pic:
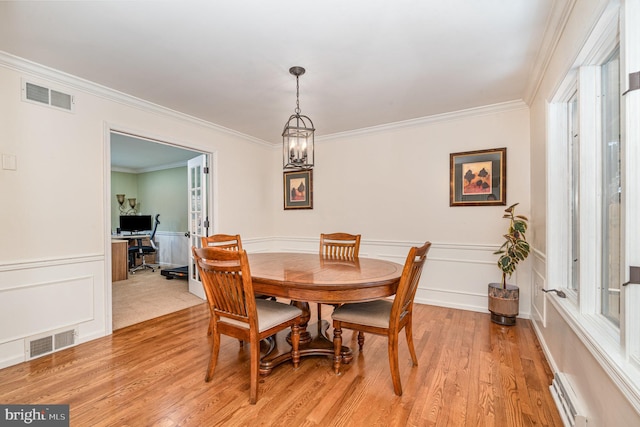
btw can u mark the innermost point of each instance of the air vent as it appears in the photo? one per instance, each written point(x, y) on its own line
point(37, 93)
point(41, 346)
point(61, 100)
point(65, 339)
point(43, 95)
point(48, 343)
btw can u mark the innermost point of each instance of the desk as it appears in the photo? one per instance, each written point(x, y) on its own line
point(305, 278)
point(136, 240)
point(119, 260)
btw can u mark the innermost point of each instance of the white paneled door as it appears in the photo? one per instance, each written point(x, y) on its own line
point(198, 214)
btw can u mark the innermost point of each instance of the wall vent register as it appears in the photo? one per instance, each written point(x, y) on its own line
point(43, 95)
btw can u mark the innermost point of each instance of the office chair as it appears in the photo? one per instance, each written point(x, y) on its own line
point(140, 250)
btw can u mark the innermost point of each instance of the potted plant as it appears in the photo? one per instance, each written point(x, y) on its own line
point(504, 299)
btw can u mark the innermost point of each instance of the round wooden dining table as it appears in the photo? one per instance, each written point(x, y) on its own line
point(304, 278)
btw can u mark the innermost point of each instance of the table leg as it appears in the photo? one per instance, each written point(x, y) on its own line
point(314, 341)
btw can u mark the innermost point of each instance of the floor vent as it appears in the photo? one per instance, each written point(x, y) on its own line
point(567, 402)
point(44, 344)
point(43, 95)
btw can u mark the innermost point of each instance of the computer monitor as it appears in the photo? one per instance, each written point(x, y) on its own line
point(135, 223)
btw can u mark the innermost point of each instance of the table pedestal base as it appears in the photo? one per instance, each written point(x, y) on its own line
point(318, 345)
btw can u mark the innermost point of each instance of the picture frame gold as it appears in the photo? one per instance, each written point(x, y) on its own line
point(478, 178)
point(298, 189)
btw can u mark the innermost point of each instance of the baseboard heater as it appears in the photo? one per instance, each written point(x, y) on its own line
point(567, 402)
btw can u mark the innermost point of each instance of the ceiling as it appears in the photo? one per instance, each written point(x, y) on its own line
point(136, 155)
point(368, 62)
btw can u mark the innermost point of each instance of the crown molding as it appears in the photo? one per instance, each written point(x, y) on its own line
point(22, 65)
point(556, 24)
point(436, 118)
point(150, 169)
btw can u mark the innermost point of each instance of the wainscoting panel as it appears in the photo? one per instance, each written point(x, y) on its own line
point(456, 274)
point(538, 300)
point(40, 297)
point(173, 249)
point(44, 299)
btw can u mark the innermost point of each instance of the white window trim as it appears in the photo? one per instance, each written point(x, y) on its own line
point(617, 351)
point(590, 191)
point(630, 62)
point(591, 330)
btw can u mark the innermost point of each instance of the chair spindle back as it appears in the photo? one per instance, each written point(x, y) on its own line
point(339, 245)
point(226, 279)
point(409, 280)
point(231, 242)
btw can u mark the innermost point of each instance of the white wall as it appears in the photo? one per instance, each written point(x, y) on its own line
point(54, 222)
point(391, 185)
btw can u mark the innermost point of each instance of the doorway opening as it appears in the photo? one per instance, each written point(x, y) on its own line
point(149, 177)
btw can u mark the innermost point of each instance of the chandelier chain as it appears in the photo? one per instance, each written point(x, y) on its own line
point(297, 110)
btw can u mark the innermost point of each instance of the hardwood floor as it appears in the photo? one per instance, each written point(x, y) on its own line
point(471, 372)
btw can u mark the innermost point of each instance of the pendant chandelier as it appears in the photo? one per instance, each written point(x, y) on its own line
point(297, 136)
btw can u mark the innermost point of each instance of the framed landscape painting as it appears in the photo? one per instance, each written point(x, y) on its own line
point(478, 178)
point(298, 189)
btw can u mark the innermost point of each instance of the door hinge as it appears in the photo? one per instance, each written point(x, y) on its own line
point(205, 170)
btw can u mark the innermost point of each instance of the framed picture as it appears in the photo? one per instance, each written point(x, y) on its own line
point(478, 178)
point(298, 189)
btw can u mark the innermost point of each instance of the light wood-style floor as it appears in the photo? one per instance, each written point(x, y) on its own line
point(471, 373)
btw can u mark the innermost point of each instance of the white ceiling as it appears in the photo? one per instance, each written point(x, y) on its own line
point(136, 155)
point(368, 62)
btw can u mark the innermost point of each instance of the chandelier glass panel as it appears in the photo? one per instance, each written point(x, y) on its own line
point(297, 136)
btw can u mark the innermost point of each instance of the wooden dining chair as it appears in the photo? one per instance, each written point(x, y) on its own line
point(231, 242)
point(338, 246)
point(384, 317)
point(226, 278)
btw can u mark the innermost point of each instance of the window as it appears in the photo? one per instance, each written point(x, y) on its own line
point(574, 163)
point(611, 189)
point(592, 186)
point(593, 236)
point(587, 186)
